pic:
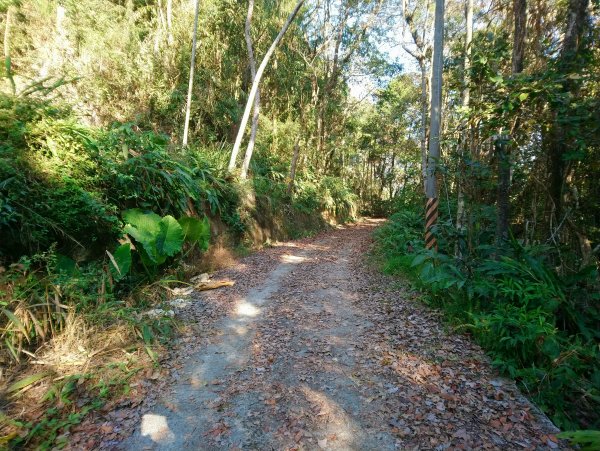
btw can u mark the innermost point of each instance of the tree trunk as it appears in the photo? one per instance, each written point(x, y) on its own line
point(159, 28)
point(424, 111)
point(290, 188)
point(391, 181)
point(464, 145)
point(520, 32)
point(558, 143)
point(255, 115)
point(170, 22)
point(7, 61)
point(431, 211)
point(502, 146)
point(186, 126)
point(253, 91)
point(321, 135)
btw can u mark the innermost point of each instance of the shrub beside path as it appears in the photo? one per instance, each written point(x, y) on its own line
point(314, 349)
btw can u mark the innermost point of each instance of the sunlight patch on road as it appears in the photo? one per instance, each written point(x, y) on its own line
point(241, 330)
point(413, 367)
point(157, 428)
point(334, 418)
point(244, 308)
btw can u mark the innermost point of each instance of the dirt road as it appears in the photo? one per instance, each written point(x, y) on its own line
point(312, 349)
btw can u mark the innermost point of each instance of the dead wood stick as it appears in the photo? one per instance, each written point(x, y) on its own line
point(212, 285)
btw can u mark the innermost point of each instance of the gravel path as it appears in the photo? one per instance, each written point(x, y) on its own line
point(312, 349)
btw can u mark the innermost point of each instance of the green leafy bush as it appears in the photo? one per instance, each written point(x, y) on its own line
point(584, 440)
point(47, 183)
point(65, 183)
point(538, 327)
point(160, 238)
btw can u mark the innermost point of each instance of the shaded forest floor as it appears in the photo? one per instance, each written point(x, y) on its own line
point(312, 348)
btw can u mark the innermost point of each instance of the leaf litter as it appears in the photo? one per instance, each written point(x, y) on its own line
point(332, 355)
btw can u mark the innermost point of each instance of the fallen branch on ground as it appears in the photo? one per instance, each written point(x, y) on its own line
point(203, 286)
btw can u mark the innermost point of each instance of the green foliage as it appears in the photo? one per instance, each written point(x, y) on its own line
point(539, 328)
point(399, 234)
point(37, 295)
point(584, 440)
point(196, 231)
point(121, 261)
point(63, 183)
point(45, 183)
point(161, 238)
point(139, 172)
point(310, 205)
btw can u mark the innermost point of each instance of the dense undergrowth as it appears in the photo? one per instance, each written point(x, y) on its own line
point(540, 328)
point(97, 223)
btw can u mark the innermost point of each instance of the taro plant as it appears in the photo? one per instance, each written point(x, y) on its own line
point(157, 238)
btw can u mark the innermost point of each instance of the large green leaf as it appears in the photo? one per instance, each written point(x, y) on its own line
point(151, 260)
point(196, 231)
point(121, 261)
point(170, 237)
point(143, 227)
point(65, 265)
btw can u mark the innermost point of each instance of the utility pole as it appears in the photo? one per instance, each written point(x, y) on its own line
point(431, 208)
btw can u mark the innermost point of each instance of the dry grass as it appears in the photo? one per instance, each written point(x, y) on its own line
point(90, 355)
point(79, 347)
point(219, 256)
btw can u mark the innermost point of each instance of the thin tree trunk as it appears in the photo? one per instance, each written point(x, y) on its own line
point(320, 133)
point(161, 16)
point(391, 181)
point(504, 148)
point(404, 181)
point(253, 91)
point(424, 111)
point(293, 165)
point(256, 114)
point(170, 22)
point(520, 33)
point(558, 143)
point(464, 145)
point(7, 61)
point(501, 147)
point(188, 107)
point(431, 211)
point(159, 28)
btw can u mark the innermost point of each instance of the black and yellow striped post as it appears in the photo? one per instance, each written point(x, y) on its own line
point(433, 156)
point(431, 216)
